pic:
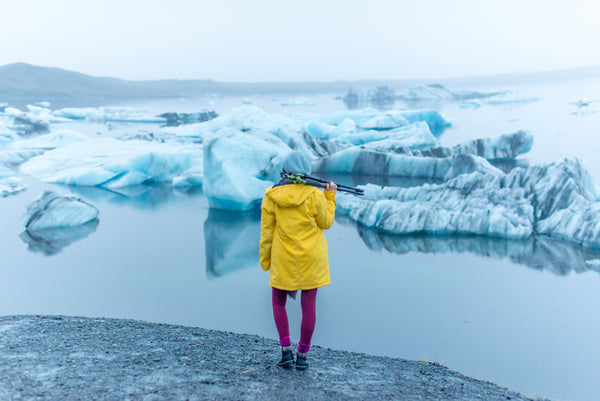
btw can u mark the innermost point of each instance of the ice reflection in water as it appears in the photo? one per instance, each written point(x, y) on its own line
point(538, 252)
point(51, 241)
point(232, 244)
point(231, 241)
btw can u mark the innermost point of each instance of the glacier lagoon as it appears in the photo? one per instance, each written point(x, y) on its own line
point(520, 312)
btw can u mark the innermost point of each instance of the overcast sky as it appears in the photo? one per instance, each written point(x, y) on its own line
point(286, 40)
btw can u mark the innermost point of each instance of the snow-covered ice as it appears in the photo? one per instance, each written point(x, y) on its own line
point(54, 210)
point(112, 163)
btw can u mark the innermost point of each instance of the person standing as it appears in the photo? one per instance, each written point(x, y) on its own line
point(293, 249)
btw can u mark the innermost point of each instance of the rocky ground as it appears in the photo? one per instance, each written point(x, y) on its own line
point(72, 358)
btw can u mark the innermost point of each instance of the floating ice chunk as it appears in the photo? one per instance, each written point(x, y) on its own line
point(54, 210)
point(470, 204)
point(109, 114)
point(239, 166)
point(433, 92)
point(9, 183)
point(318, 129)
point(564, 199)
point(555, 199)
point(175, 119)
point(328, 132)
point(281, 127)
point(384, 122)
point(381, 97)
point(246, 118)
point(28, 124)
point(439, 93)
point(434, 119)
point(410, 136)
point(364, 161)
point(503, 147)
point(358, 116)
point(112, 163)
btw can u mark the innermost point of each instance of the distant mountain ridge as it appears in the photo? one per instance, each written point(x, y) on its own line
point(25, 82)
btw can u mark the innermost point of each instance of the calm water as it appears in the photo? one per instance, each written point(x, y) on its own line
point(523, 314)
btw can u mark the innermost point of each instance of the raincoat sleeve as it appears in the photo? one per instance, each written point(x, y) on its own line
point(267, 225)
point(325, 208)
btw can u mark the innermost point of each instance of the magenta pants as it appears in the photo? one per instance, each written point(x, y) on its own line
point(308, 303)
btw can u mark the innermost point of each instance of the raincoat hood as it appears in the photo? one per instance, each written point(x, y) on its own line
point(290, 195)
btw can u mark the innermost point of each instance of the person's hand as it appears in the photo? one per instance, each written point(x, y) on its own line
point(331, 186)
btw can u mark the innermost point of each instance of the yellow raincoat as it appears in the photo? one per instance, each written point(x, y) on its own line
point(292, 240)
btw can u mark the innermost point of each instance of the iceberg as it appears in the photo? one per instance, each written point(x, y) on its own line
point(36, 120)
point(26, 124)
point(384, 121)
point(54, 210)
point(108, 114)
point(112, 163)
point(439, 93)
point(468, 204)
point(434, 119)
point(412, 135)
point(174, 119)
point(555, 199)
point(503, 147)
point(382, 97)
point(362, 161)
point(239, 166)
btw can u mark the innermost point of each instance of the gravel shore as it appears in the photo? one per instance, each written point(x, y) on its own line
point(73, 358)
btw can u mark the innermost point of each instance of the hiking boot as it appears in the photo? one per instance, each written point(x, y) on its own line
point(301, 363)
point(287, 357)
